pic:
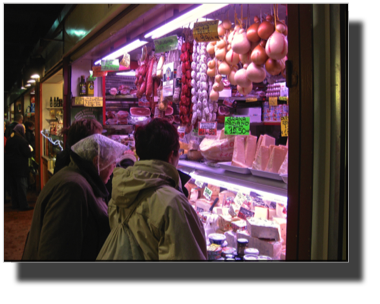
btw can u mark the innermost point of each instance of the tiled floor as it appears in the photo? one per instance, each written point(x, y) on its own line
point(16, 227)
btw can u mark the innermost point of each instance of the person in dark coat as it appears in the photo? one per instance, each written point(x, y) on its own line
point(17, 152)
point(18, 120)
point(70, 220)
point(29, 134)
point(79, 129)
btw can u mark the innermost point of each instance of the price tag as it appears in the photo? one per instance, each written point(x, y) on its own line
point(207, 193)
point(245, 213)
point(168, 79)
point(93, 101)
point(199, 183)
point(110, 65)
point(284, 126)
point(283, 98)
point(239, 199)
point(207, 128)
point(236, 125)
point(165, 44)
point(181, 132)
point(229, 102)
point(79, 101)
point(97, 71)
point(253, 99)
point(273, 101)
point(206, 31)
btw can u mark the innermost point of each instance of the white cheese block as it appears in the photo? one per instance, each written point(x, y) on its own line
point(282, 223)
point(265, 247)
point(238, 157)
point(224, 222)
point(263, 229)
point(261, 213)
point(231, 238)
point(250, 149)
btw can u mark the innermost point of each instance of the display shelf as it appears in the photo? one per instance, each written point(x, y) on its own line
point(249, 181)
point(54, 107)
point(52, 120)
point(271, 123)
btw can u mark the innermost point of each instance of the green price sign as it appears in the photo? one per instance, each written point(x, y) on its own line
point(207, 193)
point(165, 44)
point(110, 65)
point(236, 125)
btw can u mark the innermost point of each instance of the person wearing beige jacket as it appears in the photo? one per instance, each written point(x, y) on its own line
point(150, 217)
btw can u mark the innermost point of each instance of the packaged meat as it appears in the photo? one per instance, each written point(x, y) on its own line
point(112, 121)
point(113, 91)
point(122, 114)
point(136, 111)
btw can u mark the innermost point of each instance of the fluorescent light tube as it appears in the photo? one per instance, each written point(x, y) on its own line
point(185, 19)
point(35, 76)
point(28, 85)
point(129, 73)
point(128, 48)
point(31, 81)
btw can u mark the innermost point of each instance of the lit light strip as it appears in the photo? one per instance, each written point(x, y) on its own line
point(31, 81)
point(234, 187)
point(128, 48)
point(130, 73)
point(185, 19)
point(55, 143)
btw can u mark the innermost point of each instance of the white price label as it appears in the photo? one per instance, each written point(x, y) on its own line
point(207, 193)
point(239, 199)
point(199, 183)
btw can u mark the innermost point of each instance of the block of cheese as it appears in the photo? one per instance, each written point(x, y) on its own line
point(265, 247)
point(250, 149)
point(238, 224)
point(282, 223)
point(262, 158)
point(271, 214)
point(202, 205)
point(276, 158)
point(261, 213)
point(194, 195)
point(231, 238)
point(264, 140)
point(263, 229)
point(226, 197)
point(224, 222)
point(218, 149)
point(284, 166)
point(238, 157)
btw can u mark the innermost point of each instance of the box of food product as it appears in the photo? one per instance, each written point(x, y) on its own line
point(263, 229)
point(266, 247)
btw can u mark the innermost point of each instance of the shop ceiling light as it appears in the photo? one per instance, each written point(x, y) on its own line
point(185, 19)
point(128, 48)
point(22, 88)
point(31, 81)
point(28, 85)
point(129, 73)
point(35, 76)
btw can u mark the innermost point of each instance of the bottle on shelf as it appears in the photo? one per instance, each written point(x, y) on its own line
point(55, 102)
point(90, 87)
point(82, 86)
point(51, 102)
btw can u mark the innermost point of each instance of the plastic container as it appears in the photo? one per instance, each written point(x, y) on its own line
point(241, 246)
point(230, 251)
point(264, 258)
point(250, 257)
point(251, 251)
point(217, 238)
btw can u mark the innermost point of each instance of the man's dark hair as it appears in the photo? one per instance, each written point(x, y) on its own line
point(156, 140)
point(80, 129)
point(19, 117)
point(28, 124)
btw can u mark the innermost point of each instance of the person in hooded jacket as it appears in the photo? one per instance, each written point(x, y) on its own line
point(70, 221)
point(150, 217)
point(17, 152)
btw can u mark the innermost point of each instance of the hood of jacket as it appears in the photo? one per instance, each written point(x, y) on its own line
point(128, 183)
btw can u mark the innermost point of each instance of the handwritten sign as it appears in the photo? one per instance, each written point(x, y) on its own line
point(273, 101)
point(206, 31)
point(236, 125)
point(207, 128)
point(166, 44)
point(93, 101)
point(252, 99)
point(110, 65)
point(97, 71)
point(79, 101)
point(284, 126)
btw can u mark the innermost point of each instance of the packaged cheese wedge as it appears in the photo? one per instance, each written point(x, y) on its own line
point(250, 149)
point(238, 157)
point(284, 166)
point(276, 159)
point(217, 149)
point(262, 158)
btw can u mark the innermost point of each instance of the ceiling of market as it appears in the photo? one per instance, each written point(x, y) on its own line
point(26, 24)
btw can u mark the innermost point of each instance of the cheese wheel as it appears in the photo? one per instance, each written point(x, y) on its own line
point(256, 73)
point(277, 46)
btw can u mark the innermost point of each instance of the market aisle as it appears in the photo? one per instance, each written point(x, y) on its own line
point(16, 227)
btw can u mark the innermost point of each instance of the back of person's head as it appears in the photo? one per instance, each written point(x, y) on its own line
point(80, 129)
point(20, 129)
point(19, 118)
point(156, 140)
point(29, 124)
